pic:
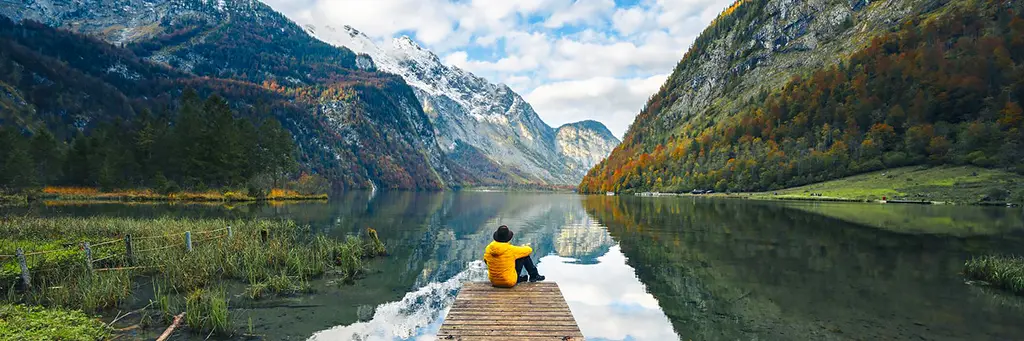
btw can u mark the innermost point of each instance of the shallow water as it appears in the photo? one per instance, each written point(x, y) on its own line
point(650, 268)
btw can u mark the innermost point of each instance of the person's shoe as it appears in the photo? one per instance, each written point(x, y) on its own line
point(522, 279)
point(538, 278)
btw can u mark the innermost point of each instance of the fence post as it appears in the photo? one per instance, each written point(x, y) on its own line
point(264, 235)
point(231, 234)
point(188, 241)
point(128, 249)
point(26, 280)
point(88, 255)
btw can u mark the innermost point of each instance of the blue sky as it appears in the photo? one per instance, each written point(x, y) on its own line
point(571, 59)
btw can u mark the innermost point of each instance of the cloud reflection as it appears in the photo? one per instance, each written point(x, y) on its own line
point(607, 299)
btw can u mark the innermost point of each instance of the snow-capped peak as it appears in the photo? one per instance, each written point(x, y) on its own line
point(466, 109)
point(406, 43)
point(354, 33)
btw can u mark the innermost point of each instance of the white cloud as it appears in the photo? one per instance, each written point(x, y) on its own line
point(571, 59)
point(580, 11)
point(629, 20)
point(612, 101)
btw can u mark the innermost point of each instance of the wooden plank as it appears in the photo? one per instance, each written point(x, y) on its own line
point(521, 325)
point(517, 338)
point(562, 321)
point(530, 314)
point(520, 332)
point(529, 311)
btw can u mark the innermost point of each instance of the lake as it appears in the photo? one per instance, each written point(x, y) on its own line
point(659, 268)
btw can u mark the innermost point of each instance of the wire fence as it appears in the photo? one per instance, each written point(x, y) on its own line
point(129, 253)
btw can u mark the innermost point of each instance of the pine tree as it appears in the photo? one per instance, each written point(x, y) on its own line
point(16, 167)
point(48, 157)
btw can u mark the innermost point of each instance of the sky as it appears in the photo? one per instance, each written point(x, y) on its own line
point(572, 60)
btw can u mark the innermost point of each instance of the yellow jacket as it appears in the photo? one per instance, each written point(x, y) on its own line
point(501, 263)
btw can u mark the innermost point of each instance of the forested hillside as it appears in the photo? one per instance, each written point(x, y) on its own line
point(201, 145)
point(353, 125)
point(945, 86)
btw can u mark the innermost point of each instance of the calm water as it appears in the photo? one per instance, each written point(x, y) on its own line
point(651, 268)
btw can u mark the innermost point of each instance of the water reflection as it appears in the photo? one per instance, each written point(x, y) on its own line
point(603, 292)
point(745, 270)
point(607, 299)
point(649, 268)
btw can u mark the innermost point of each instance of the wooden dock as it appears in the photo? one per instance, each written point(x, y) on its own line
point(530, 311)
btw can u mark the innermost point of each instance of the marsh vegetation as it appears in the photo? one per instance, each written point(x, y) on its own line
point(267, 257)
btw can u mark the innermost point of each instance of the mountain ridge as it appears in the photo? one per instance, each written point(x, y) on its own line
point(781, 93)
point(493, 119)
point(358, 127)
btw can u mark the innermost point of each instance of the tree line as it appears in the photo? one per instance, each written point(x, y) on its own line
point(942, 91)
point(202, 144)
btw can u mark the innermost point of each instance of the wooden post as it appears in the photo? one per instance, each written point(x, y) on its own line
point(188, 241)
point(26, 280)
point(88, 256)
point(128, 249)
point(264, 235)
point(231, 234)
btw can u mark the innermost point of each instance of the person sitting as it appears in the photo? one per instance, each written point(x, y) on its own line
point(505, 262)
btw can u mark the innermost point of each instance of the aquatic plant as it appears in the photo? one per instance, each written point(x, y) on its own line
point(274, 257)
point(19, 322)
point(207, 311)
point(1004, 272)
point(277, 285)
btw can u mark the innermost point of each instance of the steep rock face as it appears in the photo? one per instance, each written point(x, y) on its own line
point(758, 45)
point(360, 127)
point(584, 144)
point(752, 49)
point(470, 114)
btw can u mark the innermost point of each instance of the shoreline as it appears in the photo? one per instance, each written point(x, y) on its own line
point(914, 185)
point(783, 197)
point(148, 195)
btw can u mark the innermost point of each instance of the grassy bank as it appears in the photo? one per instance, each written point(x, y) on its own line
point(1005, 273)
point(267, 257)
point(86, 193)
point(962, 184)
point(957, 184)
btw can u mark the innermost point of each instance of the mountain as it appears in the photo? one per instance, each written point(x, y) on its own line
point(473, 117)
point(780, 93)
point(359, 127)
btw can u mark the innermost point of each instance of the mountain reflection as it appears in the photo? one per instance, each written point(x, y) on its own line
point(732, 269)
point(571, 247)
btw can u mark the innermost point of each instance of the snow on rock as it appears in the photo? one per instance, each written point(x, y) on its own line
point(468, 109)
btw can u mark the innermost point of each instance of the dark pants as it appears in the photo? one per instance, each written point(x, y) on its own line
point(527, 263)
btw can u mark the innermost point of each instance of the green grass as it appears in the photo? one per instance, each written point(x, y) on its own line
point(277, 285)
point(19, 322)
point(60, 277)
point(1002, 272)
point(953, 184)
point(207, 311)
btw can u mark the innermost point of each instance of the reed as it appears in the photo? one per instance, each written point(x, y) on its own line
point(282, 264)
point(207, 311)
point(1003, 272)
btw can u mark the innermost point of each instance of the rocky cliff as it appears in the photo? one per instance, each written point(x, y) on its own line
point(781, 93)
point(360, 127)
point(468, 112)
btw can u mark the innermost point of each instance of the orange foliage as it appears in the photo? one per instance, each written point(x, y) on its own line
point(70, 190)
